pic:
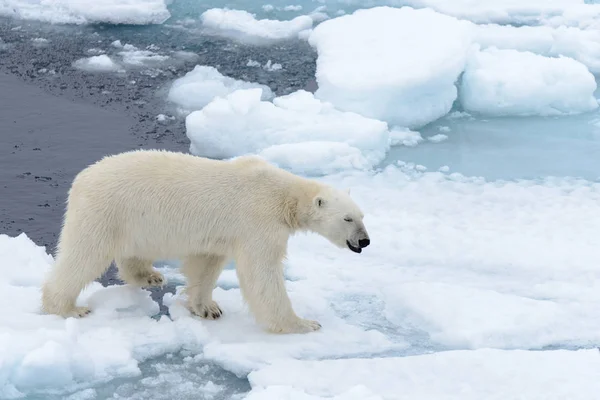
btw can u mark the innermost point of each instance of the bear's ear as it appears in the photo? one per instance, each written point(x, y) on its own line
point(319, 202)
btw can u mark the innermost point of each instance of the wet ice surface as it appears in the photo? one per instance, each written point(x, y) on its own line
point(458, 263)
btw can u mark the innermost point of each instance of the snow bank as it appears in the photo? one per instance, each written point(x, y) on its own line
point(509, 82)
point(202, 84)
point(137, 12)
point(101, 63)
point(301, 127)
point(387, 63)
point(243, 26)
point(465, 375)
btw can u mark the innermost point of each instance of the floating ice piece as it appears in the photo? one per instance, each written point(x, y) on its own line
point(509, 82)
point(101, 63)
point(516, 12)
point(465, 375)
point(136, 12)
point(579, 44)
point(201, 85)
point(135, 57)
point(387, 63)
point(272, 66)
point(440, 137)
point(241, 123)
point(243, 26)
point(405, 137)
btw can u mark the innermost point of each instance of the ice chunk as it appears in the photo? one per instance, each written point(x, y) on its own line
point(316, 158)
point(136, 12)
point(268, 65)
point(243, 26)
point(241, 123)
point(272, 67)
point(133, 56)
point(509, 82)
point(411, 85)
point(405, 137)
point(579, 44)
point(202, 84)
point(101, 63)
point(516, 12)
point(440, 137)
point(465, 375)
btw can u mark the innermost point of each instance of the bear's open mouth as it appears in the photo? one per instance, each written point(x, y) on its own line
point(354, 249)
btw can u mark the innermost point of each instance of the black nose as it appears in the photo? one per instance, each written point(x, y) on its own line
point(364, 242)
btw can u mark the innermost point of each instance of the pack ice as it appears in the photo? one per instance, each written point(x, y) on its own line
point(136, 12)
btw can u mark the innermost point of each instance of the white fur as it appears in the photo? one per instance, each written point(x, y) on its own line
point(141, 206)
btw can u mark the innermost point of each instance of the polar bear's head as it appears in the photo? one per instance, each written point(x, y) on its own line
point(336, 217)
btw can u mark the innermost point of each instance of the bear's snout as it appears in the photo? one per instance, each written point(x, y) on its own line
point(364, 242)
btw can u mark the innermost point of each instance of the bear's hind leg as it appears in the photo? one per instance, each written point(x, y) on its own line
point(202, 272)
point(71, 273)
point(139, 272)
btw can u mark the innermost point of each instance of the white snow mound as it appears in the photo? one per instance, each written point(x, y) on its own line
point(101, 63)
point(136, 12)
point(509, 82)
point(302, 127)
point(243, 26)
point(389, 64)
point(202, 84)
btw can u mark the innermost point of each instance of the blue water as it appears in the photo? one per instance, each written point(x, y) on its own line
point(510, 148)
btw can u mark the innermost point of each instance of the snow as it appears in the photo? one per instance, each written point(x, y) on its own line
point(517, 12)
point(137, 12)
point(509, 82)
point(582, 45)
point(101, 63)
point(455, 263)
point(410, 86)
point(241, 123)
point(243, 26)
point(452, 375)
point(202, 84)
point(316, 158)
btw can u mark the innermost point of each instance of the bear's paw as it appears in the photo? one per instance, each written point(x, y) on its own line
point(210, 310)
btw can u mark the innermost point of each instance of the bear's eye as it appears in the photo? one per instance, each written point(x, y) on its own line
point(348, 219)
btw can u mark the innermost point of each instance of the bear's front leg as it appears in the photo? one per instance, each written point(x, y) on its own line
point(263, 286)
point(201, 272)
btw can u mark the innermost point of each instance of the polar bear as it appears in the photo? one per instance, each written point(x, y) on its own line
point(140, 206)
